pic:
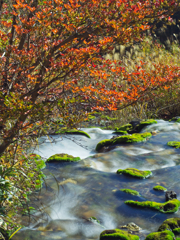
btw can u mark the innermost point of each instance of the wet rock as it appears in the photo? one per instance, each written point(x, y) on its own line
point(170, 195)
point(132, 227)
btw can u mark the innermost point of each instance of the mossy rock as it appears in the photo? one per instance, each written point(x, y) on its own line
point(143, 124)
point(135, 172)
point(159, 188)
point(172, 224)
point(124, 128)
point(121, 132)
point(175, 119)
point(129, 127)
point(165, 235)
point(130, 191)
point(174, 144)
point(117, 234)
point(136, 137)
point(167, 207)
point(72, 131)
point(63, 157)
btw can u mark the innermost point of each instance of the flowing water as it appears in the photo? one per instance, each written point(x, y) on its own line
point(74, 192)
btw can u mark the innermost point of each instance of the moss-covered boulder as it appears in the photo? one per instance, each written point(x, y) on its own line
point(143, 124)
point(167, 207)
point(63, 157)
point(175, 119)
point(165, 235)
point(130, 191)
point(135, 172)
point(172, 224)
point(134, 126)
point(72, 131)
point(159, 188)
point(136, 137)
point(174, 144)
point(124, 128)
point(117, 234)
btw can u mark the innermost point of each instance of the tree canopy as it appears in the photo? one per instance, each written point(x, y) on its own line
point(52, 60)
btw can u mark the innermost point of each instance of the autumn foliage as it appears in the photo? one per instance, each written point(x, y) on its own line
point(52, 61)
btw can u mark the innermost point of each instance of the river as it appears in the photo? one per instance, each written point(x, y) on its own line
point(74, 192)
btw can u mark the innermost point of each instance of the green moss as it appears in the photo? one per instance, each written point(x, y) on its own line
point(165, 235)
point(121, 132)
point(139, 127)
point(63, 157)
point(103, 143)
point(117, 234)
point(134, 172)
point(143, 124)
point(170, 224)
point(176, 230)
point(159, 188)
point(126, 127)
point(136, 137)
point(167, 207)
point(176, 119)
point(130, 191)
point(174, 144)
point(72, 131)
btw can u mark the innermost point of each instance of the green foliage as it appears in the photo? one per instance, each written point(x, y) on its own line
point(135, 172)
